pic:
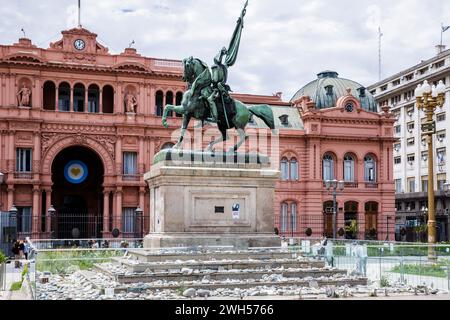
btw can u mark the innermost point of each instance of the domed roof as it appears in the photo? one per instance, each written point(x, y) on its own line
point(328, 88)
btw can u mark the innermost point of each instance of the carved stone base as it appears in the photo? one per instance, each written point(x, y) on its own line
point(203, 204)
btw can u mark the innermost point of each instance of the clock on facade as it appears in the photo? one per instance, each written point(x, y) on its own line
point(79, 44)
point(349, 107)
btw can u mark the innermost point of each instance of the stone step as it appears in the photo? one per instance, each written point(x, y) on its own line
point(245, 285)
point(219, 276)
point(139, 267)
point(152, 256)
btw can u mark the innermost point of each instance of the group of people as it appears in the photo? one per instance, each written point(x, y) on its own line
point(21, 250)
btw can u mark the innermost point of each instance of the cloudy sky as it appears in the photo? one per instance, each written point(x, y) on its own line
point(285, 42)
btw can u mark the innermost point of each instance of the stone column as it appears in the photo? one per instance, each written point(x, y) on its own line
point(119, 157)
point(141, 163)
point(36, 95)
point(10, 196)
point(48, 218)
point(100, 99)
point(36, 216)
point(56, 98)
point(106, 212)
point(86, 102)
point(118, 213)
point(118, 106)
point(71, 100)
point(152, 105)
point(36, 154)
point(11, 151)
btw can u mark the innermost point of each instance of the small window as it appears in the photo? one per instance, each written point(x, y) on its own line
point(398, 129)
point(362, 92)
point(384, 88)
point(410, 127)
point(129, 163)
point(440, 117)
point(424, 156)
point(409, 77)
point(396, 82)
point(284, 119)
point(441, 155)
point(411, 159)
point(329, 90)
point(411, 185)
point(424, 180)
point(441, 135)
point(398, 160)
point(128, 220)
point(23, 160)
point(397, 146)
point(398, 185)
point(411, 142)
point(441, 181)
point(410, 111)
point(439, 64)
point(423, 71)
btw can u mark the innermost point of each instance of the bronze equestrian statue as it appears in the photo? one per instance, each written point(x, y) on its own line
point(208, 96)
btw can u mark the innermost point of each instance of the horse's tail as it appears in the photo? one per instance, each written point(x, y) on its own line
point(265, 113)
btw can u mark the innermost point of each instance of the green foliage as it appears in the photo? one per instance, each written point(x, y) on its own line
point(2, 258)
point(64, 262)
point(16, 286)
point(384, 283)
point(24, 272)
point(352, 228)
point(433, 270)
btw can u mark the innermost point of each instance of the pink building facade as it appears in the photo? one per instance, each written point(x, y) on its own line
point(80, 126)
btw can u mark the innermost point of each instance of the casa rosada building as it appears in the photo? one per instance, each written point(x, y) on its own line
point(80, 126)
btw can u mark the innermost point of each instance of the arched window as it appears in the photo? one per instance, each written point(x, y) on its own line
point(93, 98)
point(293, 217)
point(64, 97)
point(78, 97)
point(168, 145)
point(284, 169)
point(49, 95)
point(328, 167)
point(371, 219)
point(351, 220)
point(169, 100)
point(284, 217)
point(179, 100)
point(349, 168)
point(294, 169)
point(370, 169)
point(159, 103)
point(108, 99)
point(328, 219)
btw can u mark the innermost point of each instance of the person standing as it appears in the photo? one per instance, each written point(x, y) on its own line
point(26, 249)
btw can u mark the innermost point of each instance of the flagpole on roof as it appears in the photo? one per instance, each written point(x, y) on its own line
point(442, 33)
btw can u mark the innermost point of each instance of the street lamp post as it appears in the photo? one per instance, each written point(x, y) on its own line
point(50, 215)
point(428, 99)
point(140, 216)
point(332, 187)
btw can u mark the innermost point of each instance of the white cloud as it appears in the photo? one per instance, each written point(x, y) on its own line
point(285, 42)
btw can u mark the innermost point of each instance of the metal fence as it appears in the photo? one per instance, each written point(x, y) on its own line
point(314, 226)
point(74, 229)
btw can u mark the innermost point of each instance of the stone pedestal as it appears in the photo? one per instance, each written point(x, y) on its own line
point(211, 200)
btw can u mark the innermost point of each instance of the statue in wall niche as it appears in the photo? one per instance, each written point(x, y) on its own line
point(23, 96)
point(208, 96)
point(130, 102)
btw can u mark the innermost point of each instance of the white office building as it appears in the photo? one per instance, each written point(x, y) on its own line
point(410, 152)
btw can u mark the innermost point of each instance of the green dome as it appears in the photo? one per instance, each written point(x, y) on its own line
point(328, 88)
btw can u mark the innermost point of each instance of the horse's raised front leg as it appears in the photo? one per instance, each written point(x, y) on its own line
point(170, 108)
point(186, 120)
point(242, 138)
